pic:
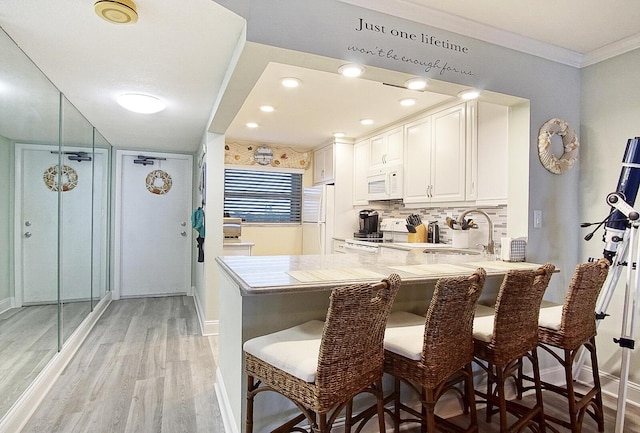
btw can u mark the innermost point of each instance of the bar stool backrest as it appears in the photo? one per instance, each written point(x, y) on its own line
point(448, 335)
point(351, 351)
point(578, 311)
point(515, 329)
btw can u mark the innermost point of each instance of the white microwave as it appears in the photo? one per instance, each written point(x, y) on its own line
point(385, 184)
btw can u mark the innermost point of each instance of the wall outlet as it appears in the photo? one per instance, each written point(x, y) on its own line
point(537, 219)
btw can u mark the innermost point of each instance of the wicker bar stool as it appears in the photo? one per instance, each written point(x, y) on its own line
point(569, 327)
point(433, 355)
point(501, 342)
point(321, 366)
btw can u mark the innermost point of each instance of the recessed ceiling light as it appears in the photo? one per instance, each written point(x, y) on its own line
point(139, 103)
point(366, 122)
point(338, 134)
point(252, 125)
point(416, 83)
point(266, 108)
point(469, 94)
point(407, 102)
point(351, 70)
point(290, 82)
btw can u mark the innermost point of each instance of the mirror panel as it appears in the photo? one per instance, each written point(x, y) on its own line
point(75, 190)
point(29, 121)
point(54, 219)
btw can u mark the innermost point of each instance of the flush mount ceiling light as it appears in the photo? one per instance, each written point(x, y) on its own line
point(338, 134)
point(469, 94)
point(407, 102)
point(251, 125)
point(351, 70)
point(266, 108)
point(139, 103)
point(416, 83)
point(117, 11)
point(366, 122)
point(290, 82)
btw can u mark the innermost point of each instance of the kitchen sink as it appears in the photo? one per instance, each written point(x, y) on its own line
point(452, 251)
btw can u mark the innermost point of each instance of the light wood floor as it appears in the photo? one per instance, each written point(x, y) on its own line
point(144, 368)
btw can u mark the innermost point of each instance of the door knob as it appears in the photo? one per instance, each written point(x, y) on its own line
point(27, 234)
point(27, 223)
point(183, 234)
point(183, 223)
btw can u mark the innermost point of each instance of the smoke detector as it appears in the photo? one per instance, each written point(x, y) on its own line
point(117, 11)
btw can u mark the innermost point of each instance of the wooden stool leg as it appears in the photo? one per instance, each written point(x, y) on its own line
point(538, 384)
point(598, 410)
point(502, 400)
point(490, 385)
point(430, 405)
point(470, 397)
point(348, 416)
point(571, 395)
point(396, 405)
point(250, 395)
point(380, 403)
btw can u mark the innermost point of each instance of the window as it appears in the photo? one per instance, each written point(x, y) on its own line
point(263, 196)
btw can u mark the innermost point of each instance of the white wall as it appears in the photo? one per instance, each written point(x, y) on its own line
point(610, 116)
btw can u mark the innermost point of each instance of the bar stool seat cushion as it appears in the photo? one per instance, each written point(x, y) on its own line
point(294, 350)
point(405, 334)
point(483, 328)
point(550, 317)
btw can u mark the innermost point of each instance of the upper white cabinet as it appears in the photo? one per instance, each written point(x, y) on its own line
point(435, 157)
point(360, 168)
point(323, 165)
point(386, 149)
point(488, 148)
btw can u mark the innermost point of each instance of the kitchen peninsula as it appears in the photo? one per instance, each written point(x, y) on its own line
point(264, 294)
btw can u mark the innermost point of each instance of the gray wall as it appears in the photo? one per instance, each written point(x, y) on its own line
point(610, 116)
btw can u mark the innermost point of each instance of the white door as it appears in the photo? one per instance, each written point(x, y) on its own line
point(37, 215)
point(153, 224)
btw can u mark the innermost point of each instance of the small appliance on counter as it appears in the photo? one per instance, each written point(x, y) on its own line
point(433, 233)
point(368, 226)
point(232, 229)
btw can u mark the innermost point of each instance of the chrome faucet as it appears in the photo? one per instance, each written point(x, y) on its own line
point(490, 245)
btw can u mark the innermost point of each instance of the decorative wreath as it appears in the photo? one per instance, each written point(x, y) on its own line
point(569, 141)
point(159, 182)
point(69, 178)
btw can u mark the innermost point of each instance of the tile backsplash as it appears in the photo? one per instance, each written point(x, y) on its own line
point(498, 216)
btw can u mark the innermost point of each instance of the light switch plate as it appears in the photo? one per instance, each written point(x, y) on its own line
point(537, 219)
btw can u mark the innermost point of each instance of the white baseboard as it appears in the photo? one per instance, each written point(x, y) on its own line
point(6, 304)
point(207, 327)
point(225, 408)
point(29, 401)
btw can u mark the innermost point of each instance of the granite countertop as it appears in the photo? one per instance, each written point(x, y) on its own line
point(258, 275)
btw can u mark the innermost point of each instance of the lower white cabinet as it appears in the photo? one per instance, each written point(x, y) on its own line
point(237, 248)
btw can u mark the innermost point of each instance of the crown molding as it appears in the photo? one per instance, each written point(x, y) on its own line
point(608, 51)
point(472, 29)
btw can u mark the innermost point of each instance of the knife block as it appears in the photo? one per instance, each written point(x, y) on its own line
point(420, 236)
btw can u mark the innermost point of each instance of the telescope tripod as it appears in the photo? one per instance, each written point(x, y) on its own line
point(624, 258)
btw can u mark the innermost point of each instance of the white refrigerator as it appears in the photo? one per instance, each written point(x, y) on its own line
point(318, 219)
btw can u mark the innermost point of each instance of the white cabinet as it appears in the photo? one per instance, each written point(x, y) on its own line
point(435, 157)
point(360, 167)
point(323, 165)
point(237, 248)
point(492, 154)
point(386, 149)
point(339, 246)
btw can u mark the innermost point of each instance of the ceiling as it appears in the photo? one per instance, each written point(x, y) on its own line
point(180, 52)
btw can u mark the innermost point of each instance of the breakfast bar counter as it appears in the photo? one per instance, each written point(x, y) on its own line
point(264, 294)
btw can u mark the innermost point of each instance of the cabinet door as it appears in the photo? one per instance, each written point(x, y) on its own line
point(417, 165)
point(493, 150)
point(360, 166)
point(394, 148)
point(323, 165)
point(448, 155)
point(377, 151)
